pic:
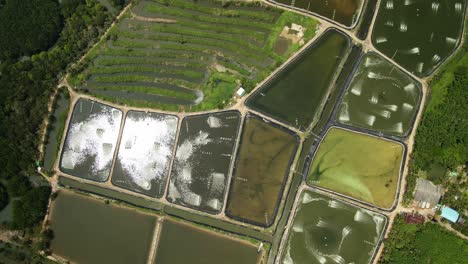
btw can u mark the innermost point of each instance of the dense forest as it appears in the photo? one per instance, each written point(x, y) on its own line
point(59, 34)
point(428, 243)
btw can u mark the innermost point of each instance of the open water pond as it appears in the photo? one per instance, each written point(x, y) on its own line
point(91, 140)
point(361, 166)
point(345, 12)
point(325, 230)
point(264, 158)
point(380, 97)
point(203, 159)
point(419, 35)
point(181, 243)
point(145, 152)
point(298, 92)
point(89, 231)
point(56, 127)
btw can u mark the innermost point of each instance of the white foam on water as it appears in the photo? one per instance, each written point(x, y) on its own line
point(214, 203)
point(389, 5)
point(217, 182)
point(379, 224)
point(385, 114)
point(335, 204)
point(298, 227)
point(398, 127)
point(381, 40)
point(192, 198)
point(409, 88)
point(408, 2)
point(389, 23)
point(322, 223)
point(373, 75)
point(407, 107)
point(370, 120)
point(374, 99)
point(344, 114)
point(356, 90)
point(214, 122)
point(307, 198)
point(411, 51)
point(419, 67)
point(337, 259)
point(403, 27)
point(450, 40)
point(436, 58)
point(435, 7)
point(361, 216)
point(96, 136)
point(370, 62)
point(287, 258)
point(152, 141)
point(173, 192)
point(392, 108)
point(458, 7)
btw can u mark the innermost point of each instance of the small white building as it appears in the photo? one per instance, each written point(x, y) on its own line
point(240, 92)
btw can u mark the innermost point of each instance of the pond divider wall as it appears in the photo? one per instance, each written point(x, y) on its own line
point(284, 181)
point(370, 7)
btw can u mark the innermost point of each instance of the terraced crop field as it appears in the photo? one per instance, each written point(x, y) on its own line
point(185, 55)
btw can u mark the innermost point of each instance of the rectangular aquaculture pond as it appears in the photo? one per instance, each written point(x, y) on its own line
point(325, 230)
point(380, 97)
point(297, 93)
point(202, 161)
point(87, 230)
point(91, 140)
point(145, 152)
point(262, 165)
point(361, 166)
point(419, 35)
point(181, 243)
point(56, 127)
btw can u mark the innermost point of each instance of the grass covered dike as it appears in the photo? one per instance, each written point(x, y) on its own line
point(185, 55)
point(361, 166)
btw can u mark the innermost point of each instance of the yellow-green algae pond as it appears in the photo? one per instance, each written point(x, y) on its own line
point(325, 230)
point(181, 243)
point(364, 167)
point(87, 230)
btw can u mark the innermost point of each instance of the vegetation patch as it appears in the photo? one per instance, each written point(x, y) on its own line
point(206, 49)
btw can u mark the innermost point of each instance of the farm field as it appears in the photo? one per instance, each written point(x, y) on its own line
point(203, 158)
point(87, 230)
point(361, 166)
point(200, 246)
point(262, 165)
point(145, 152)
point(380, 97)
point(328, 230)
point(91, 140)
point(342, 12)
point(418, 35)
point(189, 55)
point(56, 128)
point(297, 93)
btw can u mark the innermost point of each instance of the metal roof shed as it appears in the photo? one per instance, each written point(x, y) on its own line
point(450, 214)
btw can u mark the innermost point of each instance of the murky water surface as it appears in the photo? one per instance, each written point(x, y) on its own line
point(203, 158)
point(181, 243)
point(325, 230)
point(88, 231)
point(297, 93)
point(380, 97)
point(261, 168)
point(418, 34)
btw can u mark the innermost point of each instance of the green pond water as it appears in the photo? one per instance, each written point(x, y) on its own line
point(380, 97)
point(261, 169)
point(181, 243)
point(203, 159)
point(89, 231)
point(419, 35)
point(345, 12)
point(326, 230)
point(91, 140)
point(297, 93)
point(55, 129)
point(145, 152)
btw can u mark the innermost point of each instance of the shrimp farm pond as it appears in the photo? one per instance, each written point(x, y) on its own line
point(342, 12)
point(203, 158)
point(89, 231)
point(326, 230)
point(145, 152)
point(182, 243)
point(297, 93)
point(419, 35)
point(261, 170)
point(91, 140)
point(380, 97)
point(357, 165)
